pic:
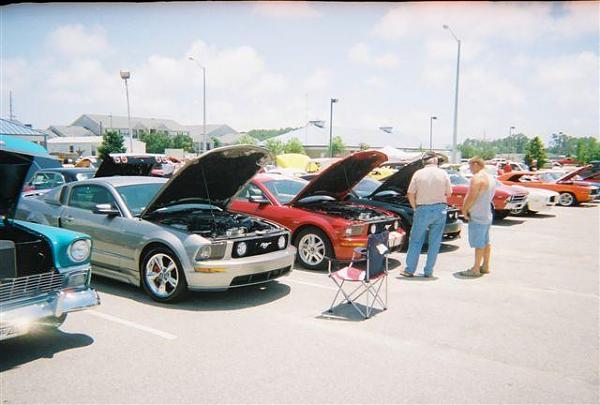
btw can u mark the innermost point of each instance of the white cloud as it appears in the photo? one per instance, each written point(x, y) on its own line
point(361, 53)
point(376, 81)
point(318, 80)
point(286, 9)
point(76, 40)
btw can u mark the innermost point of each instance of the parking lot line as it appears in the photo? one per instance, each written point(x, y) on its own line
point(134, 325)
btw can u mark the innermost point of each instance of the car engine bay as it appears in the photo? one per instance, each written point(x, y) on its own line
point(344, 210)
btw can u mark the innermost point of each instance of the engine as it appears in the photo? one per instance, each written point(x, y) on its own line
point(346, 211)
point(216, 224)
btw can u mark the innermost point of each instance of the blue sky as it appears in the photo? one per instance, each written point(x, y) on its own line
point(270, 65)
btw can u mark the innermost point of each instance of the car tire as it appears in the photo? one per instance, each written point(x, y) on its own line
point(566, 199)
point(313, 246)
point(162, 275)
point(499, 215)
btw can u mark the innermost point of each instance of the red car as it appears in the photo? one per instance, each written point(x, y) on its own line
point(505, 198)
point(322, 223)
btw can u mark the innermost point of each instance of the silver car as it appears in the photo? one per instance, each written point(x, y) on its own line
point(171, 235)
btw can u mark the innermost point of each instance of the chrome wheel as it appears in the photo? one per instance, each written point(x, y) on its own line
point(162, 275)
point(311, 249)
point(565, 199)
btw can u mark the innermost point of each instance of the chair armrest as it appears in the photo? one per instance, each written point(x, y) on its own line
point(332, 260)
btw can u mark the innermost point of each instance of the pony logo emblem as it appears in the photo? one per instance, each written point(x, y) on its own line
point(265, 245)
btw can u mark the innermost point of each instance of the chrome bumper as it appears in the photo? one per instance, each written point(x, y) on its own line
point(515, 205)
point(17, 319)
point(218, 275)
point(452, 230)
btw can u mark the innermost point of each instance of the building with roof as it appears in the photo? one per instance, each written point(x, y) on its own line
point(315, 138)
point(23, 131)
point(68, 131)
point(98, 124)
point(77, 146)
point(224, 133)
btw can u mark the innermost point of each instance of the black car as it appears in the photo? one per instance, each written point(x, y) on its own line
point(391, 195)
point(47, 179)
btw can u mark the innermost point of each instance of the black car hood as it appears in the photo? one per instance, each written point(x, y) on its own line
point(215, 177)
point(400, 180)
point(338, 179)
point(13, 172)
point(121, 164)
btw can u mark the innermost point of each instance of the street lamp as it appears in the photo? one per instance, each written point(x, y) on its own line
point(333, 100)
point(455, 135)
point(431, 131)
point(203, 101)
point(512, 141)
point(126, 75)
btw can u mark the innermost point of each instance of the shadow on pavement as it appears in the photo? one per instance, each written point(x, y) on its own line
point(461, 277)
point(508, 222)
point(235, 298)
point(347, 313)
point(417, 277)
point(37, 345)
point(539, 216)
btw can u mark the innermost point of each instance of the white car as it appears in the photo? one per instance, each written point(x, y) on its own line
point(537, 200)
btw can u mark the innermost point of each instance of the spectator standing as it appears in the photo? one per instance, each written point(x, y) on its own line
point(477, 210)
point(507, 168)
point(427, 193)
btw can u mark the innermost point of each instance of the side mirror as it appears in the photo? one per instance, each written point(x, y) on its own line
point(106, 209)
point(258, 199)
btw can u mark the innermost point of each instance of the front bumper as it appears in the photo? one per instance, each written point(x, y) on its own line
point(220, 275)
point(515, 205)
point(17, 318)
point(452, 230)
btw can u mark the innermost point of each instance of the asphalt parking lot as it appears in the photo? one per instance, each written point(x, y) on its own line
point(528, 332)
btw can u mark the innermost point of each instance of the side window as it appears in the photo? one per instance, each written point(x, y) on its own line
point(87, 197)
point(249, 190)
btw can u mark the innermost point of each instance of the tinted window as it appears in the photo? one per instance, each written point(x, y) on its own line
point(366, 187)
point(138, 196)
point(47, 180)
point(250, 190)
point(285, 190)
point(87, 197)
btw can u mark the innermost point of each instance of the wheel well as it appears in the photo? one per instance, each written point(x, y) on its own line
point(151, 246)
point(303, 227)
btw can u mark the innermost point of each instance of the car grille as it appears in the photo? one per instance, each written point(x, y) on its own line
point(452, 215)
point(30, 286)
point(594, 191)
point(259, 277)
point(518, 198)
point(553, 199)
point(381, 226)
point(259, 246)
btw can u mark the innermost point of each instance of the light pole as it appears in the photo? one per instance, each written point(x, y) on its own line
point(431, 131)
point(333, 100)
point(203, 101)
point(512, 141)
point(126, 75)
point(455, 134)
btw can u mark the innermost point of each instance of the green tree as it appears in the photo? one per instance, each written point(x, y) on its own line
point(535, 151)
point(262, 134)
point(364, 146)
point(156, 142)
point(582, 151)
point(246, 140)
point(337, 146)
point(216, 141)
point(112, 142)
point(293, 145)
point(182, 141)
point(275, 146)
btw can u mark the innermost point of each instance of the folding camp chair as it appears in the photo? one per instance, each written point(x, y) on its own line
point(370, 281)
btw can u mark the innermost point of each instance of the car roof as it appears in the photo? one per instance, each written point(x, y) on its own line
point(68, 169)
point(118, 181)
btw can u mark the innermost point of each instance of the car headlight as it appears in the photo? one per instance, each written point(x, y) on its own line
point(79, 250)
point(203, 253)
point(396, 225)
point(281, 242)
point(241, 249)
point(213, 251)
point(354, 230)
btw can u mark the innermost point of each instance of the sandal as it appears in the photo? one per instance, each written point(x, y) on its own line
point(482, 270)
point(469, 273)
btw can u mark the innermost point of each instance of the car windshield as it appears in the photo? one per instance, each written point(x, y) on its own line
point(457, 179)
point(548, 177)
point(285, 190)
point(366, 187)
point(138, 196)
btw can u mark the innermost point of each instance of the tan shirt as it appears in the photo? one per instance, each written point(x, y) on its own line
point(431, 185)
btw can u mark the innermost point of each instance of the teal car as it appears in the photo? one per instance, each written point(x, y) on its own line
point(44, 271)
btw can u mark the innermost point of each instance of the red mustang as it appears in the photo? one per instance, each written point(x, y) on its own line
point(322, 223)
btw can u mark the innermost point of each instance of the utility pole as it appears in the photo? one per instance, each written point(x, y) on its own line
point(10, 106)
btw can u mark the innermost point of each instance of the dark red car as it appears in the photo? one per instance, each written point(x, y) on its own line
point(323, 224)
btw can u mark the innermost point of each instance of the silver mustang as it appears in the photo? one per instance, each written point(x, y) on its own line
point(172, 235)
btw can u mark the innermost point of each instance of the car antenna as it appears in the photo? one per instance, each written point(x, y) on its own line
point(212, 214)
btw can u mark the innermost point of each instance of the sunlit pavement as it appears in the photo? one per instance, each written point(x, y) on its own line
point(527, 332)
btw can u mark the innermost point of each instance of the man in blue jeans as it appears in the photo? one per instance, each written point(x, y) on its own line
point(427, 193)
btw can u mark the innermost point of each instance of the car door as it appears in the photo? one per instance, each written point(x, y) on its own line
point(106, 230)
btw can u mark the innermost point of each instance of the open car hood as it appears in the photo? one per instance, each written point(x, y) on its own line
point(400, 180)
point(338, 179)
point(569, 176)
point(125, 164)
point(214, 177)
point(13, 172)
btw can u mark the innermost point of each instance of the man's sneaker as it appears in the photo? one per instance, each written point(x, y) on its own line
point(407, 274)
